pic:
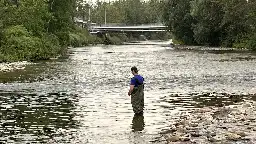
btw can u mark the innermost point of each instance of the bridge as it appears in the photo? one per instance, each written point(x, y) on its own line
point(119, 27)
point(124, 28)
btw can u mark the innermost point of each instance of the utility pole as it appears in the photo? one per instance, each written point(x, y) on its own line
point(89, 14)
point(105, 13)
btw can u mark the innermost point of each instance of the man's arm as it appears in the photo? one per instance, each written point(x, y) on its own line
point(131, 89)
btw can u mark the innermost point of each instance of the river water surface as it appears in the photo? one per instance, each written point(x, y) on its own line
point(82, 98)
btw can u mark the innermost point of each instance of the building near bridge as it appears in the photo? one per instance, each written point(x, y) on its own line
point(81, 23)
point(84, 24)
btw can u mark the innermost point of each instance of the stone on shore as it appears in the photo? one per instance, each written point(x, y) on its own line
point(217, 124)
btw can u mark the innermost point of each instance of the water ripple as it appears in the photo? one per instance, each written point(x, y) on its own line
point(83, 98)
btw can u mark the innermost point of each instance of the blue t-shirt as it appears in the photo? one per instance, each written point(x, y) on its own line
point(135, 83)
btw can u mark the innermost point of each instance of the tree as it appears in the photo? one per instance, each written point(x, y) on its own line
point(234, 23)
point(251, 22)
point(208, 16)
point(179, 20)
point(128, 12)
point(63, 13)
point(212, 22)
point(153, 10)
point(62, 22)
point(134, 12)
point(82, 9)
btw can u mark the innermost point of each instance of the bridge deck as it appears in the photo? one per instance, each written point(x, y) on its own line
point(140, 28)
point(129, 27)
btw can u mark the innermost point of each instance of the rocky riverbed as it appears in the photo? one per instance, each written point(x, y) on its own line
point(228, 124)
point(6, 67)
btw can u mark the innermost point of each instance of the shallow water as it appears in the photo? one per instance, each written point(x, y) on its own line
point(83, 98)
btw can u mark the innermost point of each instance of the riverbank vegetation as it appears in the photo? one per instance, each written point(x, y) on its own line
point(227, 23)
point(37, 30)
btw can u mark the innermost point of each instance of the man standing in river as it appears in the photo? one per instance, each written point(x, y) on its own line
point(137, 91)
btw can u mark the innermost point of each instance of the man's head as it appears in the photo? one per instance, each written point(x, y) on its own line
point(134, 70)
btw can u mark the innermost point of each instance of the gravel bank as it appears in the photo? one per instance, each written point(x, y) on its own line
point(6, 67)
point(228, 124)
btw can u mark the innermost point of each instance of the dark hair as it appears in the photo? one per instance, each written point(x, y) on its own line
point(134, 69)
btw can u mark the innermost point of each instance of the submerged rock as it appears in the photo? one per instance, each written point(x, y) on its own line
point(195, 134)
point(212, 139)
point(242, 134)
point(173, 139)
point(233, 136)
point(184, 139)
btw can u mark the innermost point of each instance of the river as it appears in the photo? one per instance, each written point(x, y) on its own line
point(82, 98)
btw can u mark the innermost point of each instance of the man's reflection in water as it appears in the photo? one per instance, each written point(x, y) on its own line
point(138, 123)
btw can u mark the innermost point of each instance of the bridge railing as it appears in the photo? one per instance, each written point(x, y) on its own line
point(119, 27)
point(123, 24)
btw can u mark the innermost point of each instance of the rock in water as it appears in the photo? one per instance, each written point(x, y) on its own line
point(184, 139)
point(174, 139)
point(242, 134)
point(233, 136)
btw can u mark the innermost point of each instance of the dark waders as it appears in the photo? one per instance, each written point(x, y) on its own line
point(137, 99)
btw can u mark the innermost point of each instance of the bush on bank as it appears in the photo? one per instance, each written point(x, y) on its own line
point(111, 39)
point(79, 37)
point(39, 30)
point(19, 44)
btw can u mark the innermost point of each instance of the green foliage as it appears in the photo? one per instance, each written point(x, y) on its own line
point(51, 47)
point(113, 40)
point(208, 16)
point(136, 14)
point(95, 40)
point(251, 43)
point(63, 13)
point(79, 37)
point(215, 22)
point(122, 36)
point(127, 12)
point(19, 44)
point(233, 24)
point(179, 20)
point(15, 31)
point(75, 40)
point(38, 29)
point(159, 36)
point(32, 14)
